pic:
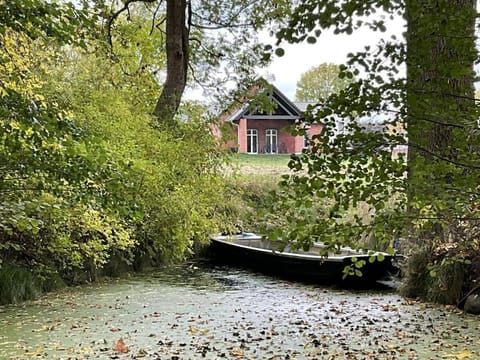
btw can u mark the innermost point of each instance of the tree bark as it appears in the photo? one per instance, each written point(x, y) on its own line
point(440, 57)
point(177, 48)
point(441, 115)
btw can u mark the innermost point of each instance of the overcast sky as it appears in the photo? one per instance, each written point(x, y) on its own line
point(330, 48)
point(285, 71)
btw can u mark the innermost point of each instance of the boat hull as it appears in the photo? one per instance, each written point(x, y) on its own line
point(299, 265)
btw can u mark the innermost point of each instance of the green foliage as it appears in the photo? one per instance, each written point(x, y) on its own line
point(319, 82)
point(433, 197)
point(56, 183)
point(173, 185)
point(17, 284)
point(86, 182)
point(63, 21)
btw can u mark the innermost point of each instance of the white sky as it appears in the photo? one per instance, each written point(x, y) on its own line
point(330, 48)
point(285, 71)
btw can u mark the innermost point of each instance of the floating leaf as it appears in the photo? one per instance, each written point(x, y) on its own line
point(463, 355)
point(120, 347)
point(236, 352)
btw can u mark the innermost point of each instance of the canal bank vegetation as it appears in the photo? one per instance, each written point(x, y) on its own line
point(89, 185)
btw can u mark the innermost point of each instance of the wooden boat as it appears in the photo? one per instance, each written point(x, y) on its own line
point(275, 257)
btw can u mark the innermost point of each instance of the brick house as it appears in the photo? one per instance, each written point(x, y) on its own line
point(247, 129)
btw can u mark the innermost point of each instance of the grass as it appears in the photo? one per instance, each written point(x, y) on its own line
point(251, 179)
point(280, 160)
point(17, 284)
point(261, 165)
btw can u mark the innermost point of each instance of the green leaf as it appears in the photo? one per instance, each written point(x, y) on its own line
point(279, 52)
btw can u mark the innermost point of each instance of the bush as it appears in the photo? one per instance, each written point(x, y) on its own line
point(17, 284)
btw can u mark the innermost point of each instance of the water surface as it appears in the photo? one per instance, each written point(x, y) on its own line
point(196, 311)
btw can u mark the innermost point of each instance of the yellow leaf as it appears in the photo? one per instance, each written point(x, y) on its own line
point(194, 331)
point(39, 351)
point(236, 352)
point(463, 355)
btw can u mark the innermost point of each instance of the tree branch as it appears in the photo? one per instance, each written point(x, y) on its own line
point(450, 161)
point(222, 26)
point(216, 25)
point(437, 122)
point(154, 17)
point(116, 14)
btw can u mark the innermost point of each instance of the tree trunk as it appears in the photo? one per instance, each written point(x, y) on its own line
point(440, 57)
point(441, 116)
point(177, 48)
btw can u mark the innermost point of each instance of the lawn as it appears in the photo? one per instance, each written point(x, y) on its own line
point(261, 164)
point(280, 160)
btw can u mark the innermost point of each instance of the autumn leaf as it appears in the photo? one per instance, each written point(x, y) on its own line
point(389, 307)
point(39, 351)
point(194, 331)
point(120, 347)
point(236, 352)
point(463, 355)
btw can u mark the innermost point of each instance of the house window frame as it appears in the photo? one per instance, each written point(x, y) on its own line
point(306, 140)
point(270, 134)
point(251, 144)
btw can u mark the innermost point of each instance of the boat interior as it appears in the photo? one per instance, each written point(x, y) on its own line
point(256, 241)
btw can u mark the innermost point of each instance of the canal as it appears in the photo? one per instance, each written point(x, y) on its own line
point(197, 311)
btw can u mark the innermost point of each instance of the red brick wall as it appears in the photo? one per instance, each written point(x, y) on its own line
point(315, 129)
point(242, 136)
point(235, 136)
point(285, 141)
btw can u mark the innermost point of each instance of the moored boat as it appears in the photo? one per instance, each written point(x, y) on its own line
point(277, 257)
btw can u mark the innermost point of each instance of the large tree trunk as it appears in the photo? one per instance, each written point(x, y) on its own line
point(441, 114)
point(177, 47)
point(440, 57)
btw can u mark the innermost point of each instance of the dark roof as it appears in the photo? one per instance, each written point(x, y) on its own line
point(283, 107)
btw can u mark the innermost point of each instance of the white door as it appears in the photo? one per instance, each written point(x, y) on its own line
point(252, 141)
point(271, 141)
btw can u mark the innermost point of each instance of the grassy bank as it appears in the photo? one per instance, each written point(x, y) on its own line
point(253, 180)
point(260, 166)
point(260, 160)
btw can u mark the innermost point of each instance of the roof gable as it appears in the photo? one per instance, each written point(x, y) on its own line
point(282, 107)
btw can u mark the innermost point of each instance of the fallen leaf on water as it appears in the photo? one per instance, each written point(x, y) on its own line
point(141, 353)
point(194, 331)
point(389, 307)
point(85, 350)
point(236, 352)
point(463, 355)
point(120, 346)
point(39, 351)
point(47, 328)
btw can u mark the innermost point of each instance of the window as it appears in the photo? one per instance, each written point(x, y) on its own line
point(271, 141)
point(306, 140)
point(252, 141)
